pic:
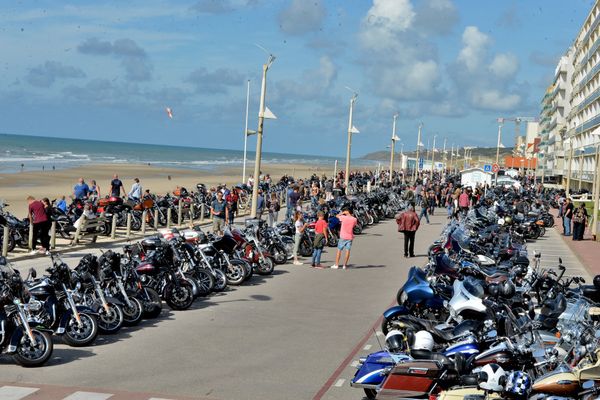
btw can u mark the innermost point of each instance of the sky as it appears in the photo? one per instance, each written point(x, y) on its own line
point(107, 70)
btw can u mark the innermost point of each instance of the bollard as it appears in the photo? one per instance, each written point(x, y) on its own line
point(179, 212)
point(113, 231)
point(5, 234)
point(30, 243)
point(202, 210)
point(128, 232)
point(144, 216)
point(191, 215)
point(53, 236)
point(168, 218)
point(156, 219)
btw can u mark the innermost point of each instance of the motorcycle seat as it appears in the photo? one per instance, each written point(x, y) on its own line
point(458, 364)
point(493, 272)
point(591, 292)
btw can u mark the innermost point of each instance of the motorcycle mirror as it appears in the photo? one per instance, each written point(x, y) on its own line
point(582, 280)
point(587, 385)
point(562, 267)
point(33, 273)
point(560, 260)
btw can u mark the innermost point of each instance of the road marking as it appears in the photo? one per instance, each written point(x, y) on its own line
point(88, 396)
point(339, 383)
point(379, 333)
point(15, 393)
point(354, 364)
point(367, 347)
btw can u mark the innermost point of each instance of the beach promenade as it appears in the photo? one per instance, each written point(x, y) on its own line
point(292, 335)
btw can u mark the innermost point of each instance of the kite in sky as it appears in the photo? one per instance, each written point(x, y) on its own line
point(169, 112)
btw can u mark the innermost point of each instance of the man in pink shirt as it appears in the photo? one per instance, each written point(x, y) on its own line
point(346, 236)
point(464, 202)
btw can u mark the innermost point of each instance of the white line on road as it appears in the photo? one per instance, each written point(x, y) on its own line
point(15, 392)
point(379, 333)
point(339, 382)
point(354, 364)
point(88, 396)
point(367, 347)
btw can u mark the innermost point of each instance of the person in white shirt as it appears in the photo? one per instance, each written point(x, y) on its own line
point(136, 190)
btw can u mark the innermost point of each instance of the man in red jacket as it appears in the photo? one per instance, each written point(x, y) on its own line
point(408, 223)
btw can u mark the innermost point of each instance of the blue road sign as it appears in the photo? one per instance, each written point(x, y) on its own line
point(487, 167)
point(420, 163)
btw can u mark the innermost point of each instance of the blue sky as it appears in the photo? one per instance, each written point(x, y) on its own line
point(106, 70)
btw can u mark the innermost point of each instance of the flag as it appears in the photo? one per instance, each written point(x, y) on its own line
point(502, 146)
point(354, 130)
point(268, 114)
point(169, 112)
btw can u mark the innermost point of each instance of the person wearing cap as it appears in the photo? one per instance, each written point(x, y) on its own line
point(348, 222)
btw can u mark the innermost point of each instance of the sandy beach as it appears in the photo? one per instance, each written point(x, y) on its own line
point(15, 187)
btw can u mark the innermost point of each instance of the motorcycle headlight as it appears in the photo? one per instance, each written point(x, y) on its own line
point(403, 297)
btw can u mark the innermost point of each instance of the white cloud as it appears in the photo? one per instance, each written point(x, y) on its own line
point(312, 84)
point(302, 16)
point(384, 21)
point(495, 100)
point(475, 46)
point(436, 17)
point(505, 65)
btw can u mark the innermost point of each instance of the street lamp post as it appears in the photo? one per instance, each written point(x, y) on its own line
point(417, 156)
point(394, 138)
point(433, 156)
point(349, 147)
point(246, 131)
point(259, 135)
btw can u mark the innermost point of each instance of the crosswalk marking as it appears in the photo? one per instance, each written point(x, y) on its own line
point(88, 396)
point(15, 392)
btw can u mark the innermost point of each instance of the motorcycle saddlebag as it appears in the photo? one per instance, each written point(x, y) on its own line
point(103, 202)
point(410, 379)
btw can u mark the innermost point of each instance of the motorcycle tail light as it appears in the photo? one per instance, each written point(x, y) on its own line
point(433, 397)
point(558, 335)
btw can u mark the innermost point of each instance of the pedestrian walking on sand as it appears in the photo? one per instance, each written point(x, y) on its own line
point(116, 187)
point(220, 213)
point(346, 237)
point(299, 227)
point(135, 193)
point(321, 233)
point(38, 217)
point(408, 224)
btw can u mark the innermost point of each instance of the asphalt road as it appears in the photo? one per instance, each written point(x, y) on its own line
point(280, 337)
point(292, 335)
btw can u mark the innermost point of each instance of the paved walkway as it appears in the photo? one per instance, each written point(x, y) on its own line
point(587, 250)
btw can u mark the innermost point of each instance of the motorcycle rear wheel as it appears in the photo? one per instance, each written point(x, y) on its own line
point(11, 242)
point(280, 256)
point(205, 282)
point(306, 248)
point(220, 280)
point(236, 272)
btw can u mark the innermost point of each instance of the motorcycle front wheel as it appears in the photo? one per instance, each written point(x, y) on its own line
point(110, 321)
point(151, 302)
point(265, 266)
point(132, 315)
point(77, 336)
point(34, 355)
point(220, 280)
point(236, 273)
point(279, 254)
point(205, 282)
point(179, 296)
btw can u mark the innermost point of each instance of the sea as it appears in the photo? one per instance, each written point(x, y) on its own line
point(34, 153)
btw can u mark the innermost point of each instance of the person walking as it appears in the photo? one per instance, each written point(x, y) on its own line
point(135, 193)
point(408, 224)
point(348, 222)
point(293, 199)
point(39, 219)
point(321, 234)
point(424, 209)
point(299, 227)
point(463, 202)
point(274, 208)
point(116, 187)
point(567, 215)
point(219, 211)
point(580, 217)
point(260, 204)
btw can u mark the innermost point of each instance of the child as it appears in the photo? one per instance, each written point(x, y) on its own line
point(320, 239)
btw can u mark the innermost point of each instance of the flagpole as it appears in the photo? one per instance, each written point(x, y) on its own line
point(246, 132)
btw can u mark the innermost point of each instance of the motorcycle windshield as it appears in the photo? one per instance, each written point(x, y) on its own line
point(473, 287)
point(461, 239)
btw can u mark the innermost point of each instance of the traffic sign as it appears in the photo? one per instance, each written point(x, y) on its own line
point(487, 167)
point(420, 163)
point(495, 168)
